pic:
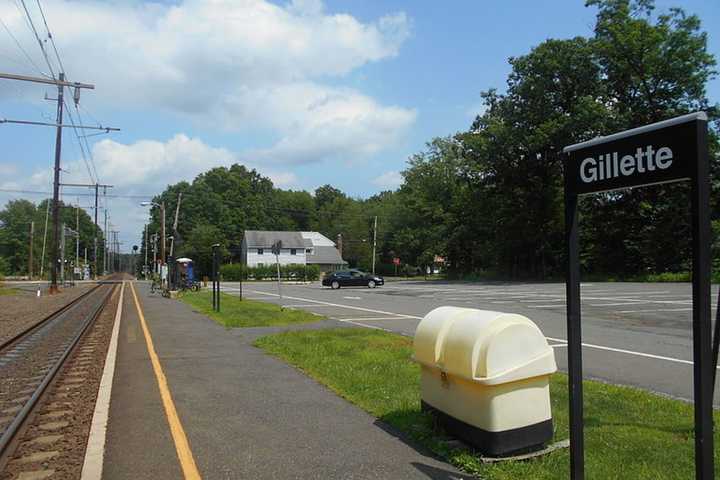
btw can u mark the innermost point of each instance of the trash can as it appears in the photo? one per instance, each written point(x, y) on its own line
point(485, 375)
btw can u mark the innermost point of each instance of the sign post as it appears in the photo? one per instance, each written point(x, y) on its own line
point(669, 151)
point(276, 247)
point(216, 276)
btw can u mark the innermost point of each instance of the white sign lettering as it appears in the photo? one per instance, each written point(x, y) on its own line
point(611, 165)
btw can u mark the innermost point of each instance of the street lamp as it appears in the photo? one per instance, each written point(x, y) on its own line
point(161, 206)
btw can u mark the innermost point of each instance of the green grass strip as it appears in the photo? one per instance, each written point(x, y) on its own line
point(246, 313)
point(629, 433)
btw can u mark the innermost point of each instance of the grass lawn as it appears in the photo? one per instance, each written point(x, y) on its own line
point(246, 313)
point(8, 291)
point(629, 433)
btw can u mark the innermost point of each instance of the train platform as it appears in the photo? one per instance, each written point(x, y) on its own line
point(192, 399)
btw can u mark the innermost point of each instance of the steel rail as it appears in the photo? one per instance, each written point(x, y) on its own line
point(11, 431)
point(42, 322)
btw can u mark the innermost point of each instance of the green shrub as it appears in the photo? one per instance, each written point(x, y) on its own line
point(234, 272)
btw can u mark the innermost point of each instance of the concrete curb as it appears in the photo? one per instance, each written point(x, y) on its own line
point(95, 452)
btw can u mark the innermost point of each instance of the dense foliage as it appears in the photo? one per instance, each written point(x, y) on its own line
point(15, 221)
point(489, 201)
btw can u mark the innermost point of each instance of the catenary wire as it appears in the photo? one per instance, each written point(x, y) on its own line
point(19, 45)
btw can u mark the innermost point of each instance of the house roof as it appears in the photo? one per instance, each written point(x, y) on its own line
point(325, 256)
point(318, 239)
point(266, 239)
point(323, 249)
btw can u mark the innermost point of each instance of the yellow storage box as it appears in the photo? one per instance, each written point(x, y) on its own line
point(486, 377)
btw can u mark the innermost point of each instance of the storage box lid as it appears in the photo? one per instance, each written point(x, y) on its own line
point(483, 346)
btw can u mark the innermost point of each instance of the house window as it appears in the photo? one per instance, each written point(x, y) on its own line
point(260, 251)
point(308, 251)
point(293, 251)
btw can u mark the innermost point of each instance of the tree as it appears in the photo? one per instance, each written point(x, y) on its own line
point(15, 234)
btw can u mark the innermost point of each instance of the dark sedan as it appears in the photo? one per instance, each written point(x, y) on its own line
point(352, 278)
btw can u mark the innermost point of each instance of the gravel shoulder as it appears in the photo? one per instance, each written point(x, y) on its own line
point(18, 312)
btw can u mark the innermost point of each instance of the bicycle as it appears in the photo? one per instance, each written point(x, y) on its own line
point(155, 285)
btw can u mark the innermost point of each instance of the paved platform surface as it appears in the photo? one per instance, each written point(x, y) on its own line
point(246, 414)
point(637, 334)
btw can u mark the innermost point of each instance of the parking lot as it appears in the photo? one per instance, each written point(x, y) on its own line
point(633, 333)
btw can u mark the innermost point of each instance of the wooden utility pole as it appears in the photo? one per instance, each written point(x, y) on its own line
point(56, 191)
point(145, 265)
point(374, 244)
point(96, 186)
point(105, 245)
point(77, 238)
point(30, 263)
point(163, 259)
point(61, 83)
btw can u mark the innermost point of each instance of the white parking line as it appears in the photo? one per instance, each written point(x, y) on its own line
point(543, 300)
point(639, 302)
point(351, 307)
point(657, 310)
point(560, 340)
point(363, 319)
point(352, 298)
point(299, 305)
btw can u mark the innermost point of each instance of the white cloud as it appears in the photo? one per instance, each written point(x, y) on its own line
point(148, 165)
point(476, 109)
point(234, 65)
point(7, 170)
point(389, 180)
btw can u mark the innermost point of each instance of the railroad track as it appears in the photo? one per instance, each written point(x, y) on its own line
point(5, 345)
point(30, 362)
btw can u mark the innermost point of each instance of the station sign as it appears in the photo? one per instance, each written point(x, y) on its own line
point(669, 151)
point(659, 153)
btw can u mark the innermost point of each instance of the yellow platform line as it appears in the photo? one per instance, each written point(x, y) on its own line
point(187, 462)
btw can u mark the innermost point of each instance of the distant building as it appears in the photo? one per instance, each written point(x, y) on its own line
point(303, 248)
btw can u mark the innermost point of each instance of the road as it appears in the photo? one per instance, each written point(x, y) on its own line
point(635, 334)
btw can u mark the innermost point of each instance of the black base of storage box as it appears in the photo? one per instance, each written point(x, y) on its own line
point(495, 444)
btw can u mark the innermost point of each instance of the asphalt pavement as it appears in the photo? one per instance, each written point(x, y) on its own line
point(246, 414)
point(637, 334)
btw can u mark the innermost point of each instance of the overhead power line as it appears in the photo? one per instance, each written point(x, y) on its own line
point(19, 45)
point(52, 40)
point(37, 37)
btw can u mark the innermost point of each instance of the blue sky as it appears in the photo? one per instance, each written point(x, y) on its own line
point(307, 92)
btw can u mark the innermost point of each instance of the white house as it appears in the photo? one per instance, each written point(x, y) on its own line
point(303, 248)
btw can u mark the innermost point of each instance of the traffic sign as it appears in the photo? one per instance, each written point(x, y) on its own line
point(396, 261)
point(669, 151)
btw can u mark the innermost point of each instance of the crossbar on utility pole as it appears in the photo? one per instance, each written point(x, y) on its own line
point(46, 124)
point(48, 81)
point(61, 83)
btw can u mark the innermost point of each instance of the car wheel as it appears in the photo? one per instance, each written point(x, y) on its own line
point(371, 284)
point(335, 285)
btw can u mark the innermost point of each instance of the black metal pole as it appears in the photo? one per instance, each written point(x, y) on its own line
point(212, 277)
point(217, 276)
point(574, 338)
point(716, 343)
point(702, 341)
